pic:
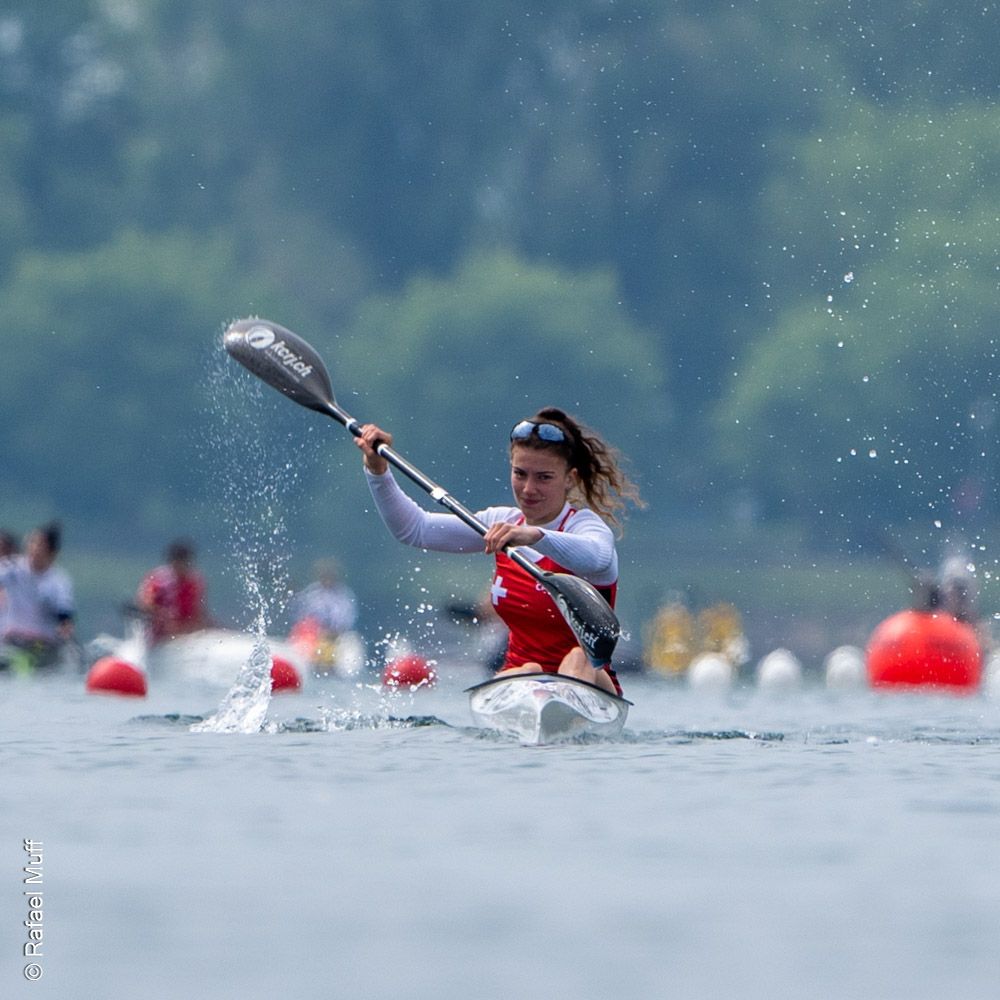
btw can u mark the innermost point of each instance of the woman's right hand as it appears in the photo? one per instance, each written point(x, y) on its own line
point(371, 437)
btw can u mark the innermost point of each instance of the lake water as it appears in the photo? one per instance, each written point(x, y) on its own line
point(752, 845)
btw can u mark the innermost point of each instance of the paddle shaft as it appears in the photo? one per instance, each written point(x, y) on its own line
point(436, 492)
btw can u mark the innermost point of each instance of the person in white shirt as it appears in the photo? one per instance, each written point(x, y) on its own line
point(9, 547)
point(40, 608)
point(327, 601)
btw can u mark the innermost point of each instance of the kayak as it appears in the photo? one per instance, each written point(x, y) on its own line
point(546, 708)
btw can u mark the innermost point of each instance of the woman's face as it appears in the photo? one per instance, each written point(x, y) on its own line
point(541, 481)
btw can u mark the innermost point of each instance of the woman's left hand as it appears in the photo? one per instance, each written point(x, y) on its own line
point(499, 536)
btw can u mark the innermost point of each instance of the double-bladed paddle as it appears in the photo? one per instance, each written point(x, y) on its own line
point(287, 363)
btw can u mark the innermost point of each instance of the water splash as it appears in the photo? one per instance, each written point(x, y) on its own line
point(244, 708)
point(255, 467)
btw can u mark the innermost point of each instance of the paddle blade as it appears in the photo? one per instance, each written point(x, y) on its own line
point(282, 360)
point(587, 614)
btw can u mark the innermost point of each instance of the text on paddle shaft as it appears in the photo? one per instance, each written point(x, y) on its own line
point(34, 895)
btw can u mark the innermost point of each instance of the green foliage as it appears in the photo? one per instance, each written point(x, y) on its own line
point(875, 388)
point(104, 353)
point(14, 206)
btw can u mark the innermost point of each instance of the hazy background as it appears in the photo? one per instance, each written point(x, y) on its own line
point(755, 244)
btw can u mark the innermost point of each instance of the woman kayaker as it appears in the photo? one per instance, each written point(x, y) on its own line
point(569, 491)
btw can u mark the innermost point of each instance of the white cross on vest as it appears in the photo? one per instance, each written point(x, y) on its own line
point(498, 590)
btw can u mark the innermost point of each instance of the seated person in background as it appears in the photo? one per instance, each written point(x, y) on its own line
point(9, 547)
point(172, 596)
point(957, 589)
point(327, 601)
point(322, 613)
point(38, 602)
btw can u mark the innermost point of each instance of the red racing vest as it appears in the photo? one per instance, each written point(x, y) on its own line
point(175, 600)
point(538, 632)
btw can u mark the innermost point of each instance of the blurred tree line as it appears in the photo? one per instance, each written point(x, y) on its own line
point(754, 243)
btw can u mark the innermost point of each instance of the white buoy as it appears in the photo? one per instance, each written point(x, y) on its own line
point(710, 671)
point(349, 654)
point(779, 670)
point(844, 668)
point(991, 676)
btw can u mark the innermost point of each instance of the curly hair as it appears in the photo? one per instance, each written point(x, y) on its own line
point(604, 486)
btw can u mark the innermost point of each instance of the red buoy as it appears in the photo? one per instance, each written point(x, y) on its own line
point(284, 676)
point(924, 649)
point(410, 671)
point(109, 675)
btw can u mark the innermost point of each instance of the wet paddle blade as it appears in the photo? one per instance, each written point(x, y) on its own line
point(281, 359)
point(587, 614)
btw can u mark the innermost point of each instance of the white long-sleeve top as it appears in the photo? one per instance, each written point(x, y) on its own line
point(584, 547)
point(35, 602)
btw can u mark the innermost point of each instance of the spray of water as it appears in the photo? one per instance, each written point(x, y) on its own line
point(253, 467)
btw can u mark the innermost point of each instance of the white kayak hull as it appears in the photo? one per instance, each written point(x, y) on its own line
point(541, 708)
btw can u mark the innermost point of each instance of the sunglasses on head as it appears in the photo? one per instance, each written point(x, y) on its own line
point(547, 432)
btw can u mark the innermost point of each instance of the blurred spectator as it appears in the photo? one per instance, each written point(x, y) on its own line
point(670, 637)
point(957, 588)
point(323, 617)
point(720, 630)
point(38, 595)
point(172, 596)
point(327, 602)
point(9, 547)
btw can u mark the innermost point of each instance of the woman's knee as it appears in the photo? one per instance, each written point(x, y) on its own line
point(575, 664)
point(524, 668)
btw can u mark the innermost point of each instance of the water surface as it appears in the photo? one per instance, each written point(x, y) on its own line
point(749, 844)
